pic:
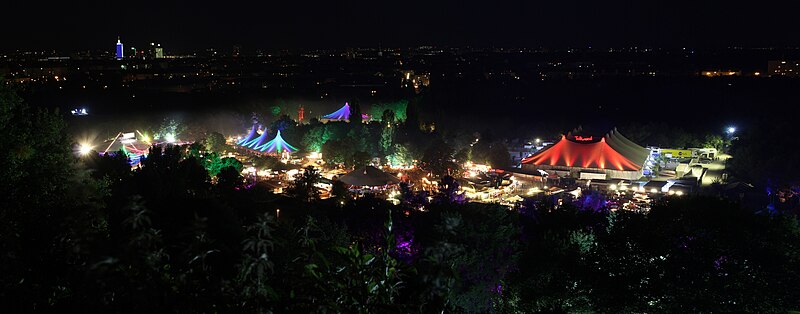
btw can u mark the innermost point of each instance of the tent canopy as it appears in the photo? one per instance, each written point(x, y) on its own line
point(276, 145)
point(368, 176)
point(257, 141)
point(341, 114)
point(612, 151)
point(249, 136)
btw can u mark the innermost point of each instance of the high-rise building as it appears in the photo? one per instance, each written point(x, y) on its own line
point(120, 54)
point(159, 51)
point(155, 51)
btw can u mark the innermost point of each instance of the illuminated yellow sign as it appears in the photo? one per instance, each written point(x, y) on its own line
point(676, 153)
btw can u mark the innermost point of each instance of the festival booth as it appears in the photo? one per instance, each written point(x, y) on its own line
point(369, 179)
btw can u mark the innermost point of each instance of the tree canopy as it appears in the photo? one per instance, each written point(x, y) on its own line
point(182, 233)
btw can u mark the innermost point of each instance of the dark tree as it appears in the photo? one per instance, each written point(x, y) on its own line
point(358, 160)
point(708, 255)
point(229, 179)
point(388, 117)
point(355, 113)
point(282, 124)
point(412, 116)
point(303, 187)
point(114, 167)
point(438, 159)
point(215, 142)
point(339, 190)
point(49, 210)
point(481, 152)
point(760, 155)
point(337, 152)
point(499, 156)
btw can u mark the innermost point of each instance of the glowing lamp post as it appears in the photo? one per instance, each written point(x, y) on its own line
point(84, 149)
point(730, 131)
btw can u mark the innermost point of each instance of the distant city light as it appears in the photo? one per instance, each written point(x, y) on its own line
point(79, 112)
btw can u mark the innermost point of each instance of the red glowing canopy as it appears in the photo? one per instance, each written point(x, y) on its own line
point(586, 154)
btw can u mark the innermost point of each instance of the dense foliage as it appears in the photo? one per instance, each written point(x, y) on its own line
point(87, 234)
point(764, 154)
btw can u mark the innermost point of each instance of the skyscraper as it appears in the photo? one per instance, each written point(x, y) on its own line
point(155, 52)
point(120, 53)
point(159, 51)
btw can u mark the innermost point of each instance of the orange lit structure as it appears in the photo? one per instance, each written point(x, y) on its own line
point(301, 114)
point(613, 155)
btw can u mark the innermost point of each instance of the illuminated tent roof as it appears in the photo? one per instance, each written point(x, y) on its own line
point(277, 144)
point(341, 114)
point(613, 151)
point(627, 147)
point(249, 136)
point(368, 176)
point(256, 142)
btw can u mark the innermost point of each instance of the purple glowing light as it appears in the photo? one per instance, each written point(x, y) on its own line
point(256, 142)
point(341, 114)
point(249, 136)
point(276, 145)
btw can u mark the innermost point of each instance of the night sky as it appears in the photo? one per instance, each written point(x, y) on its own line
point(81, 25)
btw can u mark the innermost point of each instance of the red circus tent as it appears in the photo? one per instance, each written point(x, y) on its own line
point(612, 152)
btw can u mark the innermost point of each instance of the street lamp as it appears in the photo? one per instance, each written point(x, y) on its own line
point(84, 149)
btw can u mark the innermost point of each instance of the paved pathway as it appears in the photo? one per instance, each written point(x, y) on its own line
point(715, 169)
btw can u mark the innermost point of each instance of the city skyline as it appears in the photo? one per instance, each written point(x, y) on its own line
point(89, 26)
